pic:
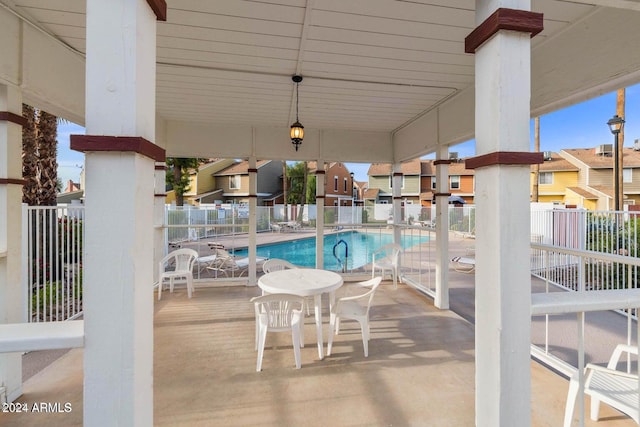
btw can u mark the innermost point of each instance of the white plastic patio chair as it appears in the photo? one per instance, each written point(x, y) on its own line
point(181, 261)
point(356, 308)
point(387, 258)
point(278, 313)
point(617, 389)
point(277, 264)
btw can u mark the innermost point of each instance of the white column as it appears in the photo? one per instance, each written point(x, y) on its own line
point(159, 232)
point(320, 198)
point(503, 279)
point(253, 220)
point(441, 299)
point(396, 192)
point(118, 275)
point(11, 295)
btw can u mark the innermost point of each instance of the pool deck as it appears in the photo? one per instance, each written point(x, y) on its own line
point(420, 370)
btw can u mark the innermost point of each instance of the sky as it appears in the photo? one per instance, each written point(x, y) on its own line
point(582, 125)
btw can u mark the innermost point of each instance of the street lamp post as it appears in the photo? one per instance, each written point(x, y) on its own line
point(615, 126)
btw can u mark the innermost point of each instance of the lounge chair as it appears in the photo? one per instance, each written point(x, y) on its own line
point(276, 227)
point(617, 389)
point(463, 264)
point(230, 265)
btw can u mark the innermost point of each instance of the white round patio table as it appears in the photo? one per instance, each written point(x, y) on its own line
point(304, 282)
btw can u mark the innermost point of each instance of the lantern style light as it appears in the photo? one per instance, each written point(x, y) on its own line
point(297, 130)
point(615, 126)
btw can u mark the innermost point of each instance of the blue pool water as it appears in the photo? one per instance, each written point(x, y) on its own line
point(303, 252)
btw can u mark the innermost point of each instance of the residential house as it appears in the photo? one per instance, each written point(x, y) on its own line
point(461, 181)
point(202, 184)
point(558, 183)
point(234, 181)
point(359, 190)
point(596, 173)
point(338, 183)
point(381, 178)
point(73, 192)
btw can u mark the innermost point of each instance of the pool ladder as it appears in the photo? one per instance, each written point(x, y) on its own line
point(346, 254)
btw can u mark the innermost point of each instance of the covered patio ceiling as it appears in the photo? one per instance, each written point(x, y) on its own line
point(383, 80)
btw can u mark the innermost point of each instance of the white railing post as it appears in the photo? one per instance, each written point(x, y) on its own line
point(25, 263)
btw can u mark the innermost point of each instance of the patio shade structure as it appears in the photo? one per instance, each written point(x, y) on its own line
point(384, 81)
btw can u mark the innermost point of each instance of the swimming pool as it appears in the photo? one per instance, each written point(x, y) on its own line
point(303, 252)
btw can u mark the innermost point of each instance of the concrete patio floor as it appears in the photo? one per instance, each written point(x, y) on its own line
point(420, 370)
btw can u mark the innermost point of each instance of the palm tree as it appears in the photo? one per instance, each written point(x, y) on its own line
point(47, 158)
point(29, 156)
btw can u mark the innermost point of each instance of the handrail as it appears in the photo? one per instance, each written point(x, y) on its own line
point(623, 259)
point(346, 254)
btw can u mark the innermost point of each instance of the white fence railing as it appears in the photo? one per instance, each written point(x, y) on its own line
point(578, 270)
point(53, 240)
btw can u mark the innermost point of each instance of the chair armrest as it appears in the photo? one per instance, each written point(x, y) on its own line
point(356, 297)
point(609, 371)
point(621, 348)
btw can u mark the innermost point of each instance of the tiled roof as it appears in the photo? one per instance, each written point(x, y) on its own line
point(603, 189)
point(630, 157)
point(407, 168)
point(557, 163)
point(582, 192)
point(241, 168)
point(371, 193)
point(455, 168)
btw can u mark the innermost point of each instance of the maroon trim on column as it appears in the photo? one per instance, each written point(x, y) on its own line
point(161, 167)
point(8, 116)
point(320, 172)
point(252, 196)
point(504, 19)
point(137, 144)
point(159, 7)
point(504, 158)
point(6, 181)
point(318, 196)
point(160, 195)
point(442, 162)
point(397, 197)
point(398, 174)
point(253, 170)
point(441, 194)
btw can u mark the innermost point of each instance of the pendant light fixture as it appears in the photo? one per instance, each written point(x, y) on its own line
point(297, 130)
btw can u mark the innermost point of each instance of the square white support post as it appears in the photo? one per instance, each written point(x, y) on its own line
point(320, 199)
point(11, 295)
point(253, 220)
point(442, 161)
point(396, 192)
point(503, 279)
point(159, 232)
point(120, 211)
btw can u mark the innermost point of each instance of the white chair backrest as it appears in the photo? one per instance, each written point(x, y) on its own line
point(372, 285)
point(390, 251)
point(280, 309)
point(276, 264)
point(183, 259)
